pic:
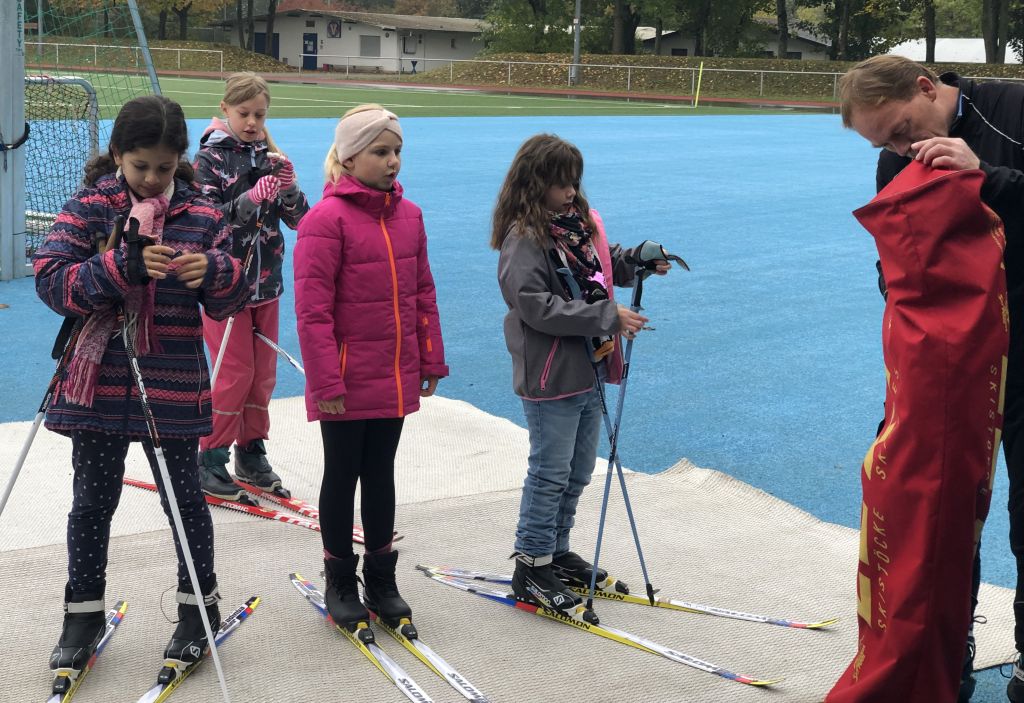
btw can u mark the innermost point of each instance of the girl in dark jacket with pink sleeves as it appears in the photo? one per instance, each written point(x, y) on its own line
point(371, 343)
point(184, 262)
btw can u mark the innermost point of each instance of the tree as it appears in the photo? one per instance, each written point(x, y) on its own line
point(995, 20)
point(268, 44)
point(782, 18)
point(626, 18)
point(528, 26)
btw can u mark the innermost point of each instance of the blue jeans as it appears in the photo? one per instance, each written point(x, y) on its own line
point(563, 450)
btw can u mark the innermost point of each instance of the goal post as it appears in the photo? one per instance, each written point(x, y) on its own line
point(12, 131)
point(68, 100)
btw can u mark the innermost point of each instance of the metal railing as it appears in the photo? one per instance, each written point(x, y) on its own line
point(525, 73)
point(764, 84)
point(79, 50)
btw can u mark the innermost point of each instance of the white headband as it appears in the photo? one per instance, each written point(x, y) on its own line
point(357, 131)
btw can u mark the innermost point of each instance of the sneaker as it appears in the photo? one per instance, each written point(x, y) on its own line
point(1015, 689)
point(213, 472)
point(534, 581)
point(251, 466)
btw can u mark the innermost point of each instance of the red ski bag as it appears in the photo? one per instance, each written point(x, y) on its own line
point(927, 477)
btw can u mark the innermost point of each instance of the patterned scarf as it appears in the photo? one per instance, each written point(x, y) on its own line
point(139, 305)
point(573, 240)
point(573, 236)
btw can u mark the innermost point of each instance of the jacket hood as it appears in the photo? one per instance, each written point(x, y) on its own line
point(370, 199)
point(219, 134)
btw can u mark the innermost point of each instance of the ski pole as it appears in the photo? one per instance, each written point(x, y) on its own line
point(158, 452)
point(63, 349)
point(264, 208)
point(284, 355)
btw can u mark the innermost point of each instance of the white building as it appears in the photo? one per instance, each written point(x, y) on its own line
point(324, 39)
point(948, 50)
point(801, 45)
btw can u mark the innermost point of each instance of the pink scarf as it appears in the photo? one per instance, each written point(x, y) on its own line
point(139, 305)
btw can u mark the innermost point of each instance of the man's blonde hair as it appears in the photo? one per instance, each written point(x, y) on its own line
point(879, 80)
point(333, 168)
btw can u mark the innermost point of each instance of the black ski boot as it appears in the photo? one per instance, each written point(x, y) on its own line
point(534, 581)
point(342, 593)
point(381, 591)
point(85, 621)
point(189, 642)
point(1015, 688)
point(251, 466)
point(967, 682)
point(213, 473)
point(574, 570)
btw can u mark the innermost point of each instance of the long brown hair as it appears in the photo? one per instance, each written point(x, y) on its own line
point(543, 161)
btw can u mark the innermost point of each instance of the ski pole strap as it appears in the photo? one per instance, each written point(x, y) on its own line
point(533, 561)
point(116, 233)
point(192, 599)
point(88, 606)
point(19, 142)
point(649, 253)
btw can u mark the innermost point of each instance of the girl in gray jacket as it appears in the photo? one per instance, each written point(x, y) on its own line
point(556, 271)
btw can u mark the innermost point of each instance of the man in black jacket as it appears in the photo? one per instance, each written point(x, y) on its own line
point(957, 123)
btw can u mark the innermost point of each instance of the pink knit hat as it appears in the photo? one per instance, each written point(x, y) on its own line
point(357, 131)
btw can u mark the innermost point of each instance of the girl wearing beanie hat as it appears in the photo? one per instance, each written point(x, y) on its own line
point(371, 342)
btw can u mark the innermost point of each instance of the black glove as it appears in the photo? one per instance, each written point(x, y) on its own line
point(135, 265)
point(649, 253)
point(881, 281)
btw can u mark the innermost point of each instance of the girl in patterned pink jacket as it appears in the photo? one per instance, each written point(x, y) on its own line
point(371, 343)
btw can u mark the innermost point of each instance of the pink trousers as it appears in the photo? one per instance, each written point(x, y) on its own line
point(242, 390)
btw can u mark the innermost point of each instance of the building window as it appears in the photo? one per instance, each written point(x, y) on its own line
point(408, 45)
point(369, 45)
point(680, 52)
point(311, 24)
point(794, 54)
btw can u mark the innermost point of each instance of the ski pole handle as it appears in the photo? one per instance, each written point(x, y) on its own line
point(115, 236)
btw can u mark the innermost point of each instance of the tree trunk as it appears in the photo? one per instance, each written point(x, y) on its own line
point(271, 10)
point(783, 21)
point(182, 14)
point(989, 28)
point(701, 28)
point(106, 22)
point(162, 30)
point(629, 36)
point(1002, 34)
point(619, 28)
point(238, 21)
point(929, 31)
point(250, 25)
point(844, 30)
point(658, 28)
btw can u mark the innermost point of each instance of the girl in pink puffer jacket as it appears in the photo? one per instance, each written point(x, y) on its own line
point(371, 343)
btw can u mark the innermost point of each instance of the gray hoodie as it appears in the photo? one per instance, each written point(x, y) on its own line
point(546, 332)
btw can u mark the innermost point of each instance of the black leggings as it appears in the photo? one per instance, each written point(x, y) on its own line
point(363, 451)
point(98, 461)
